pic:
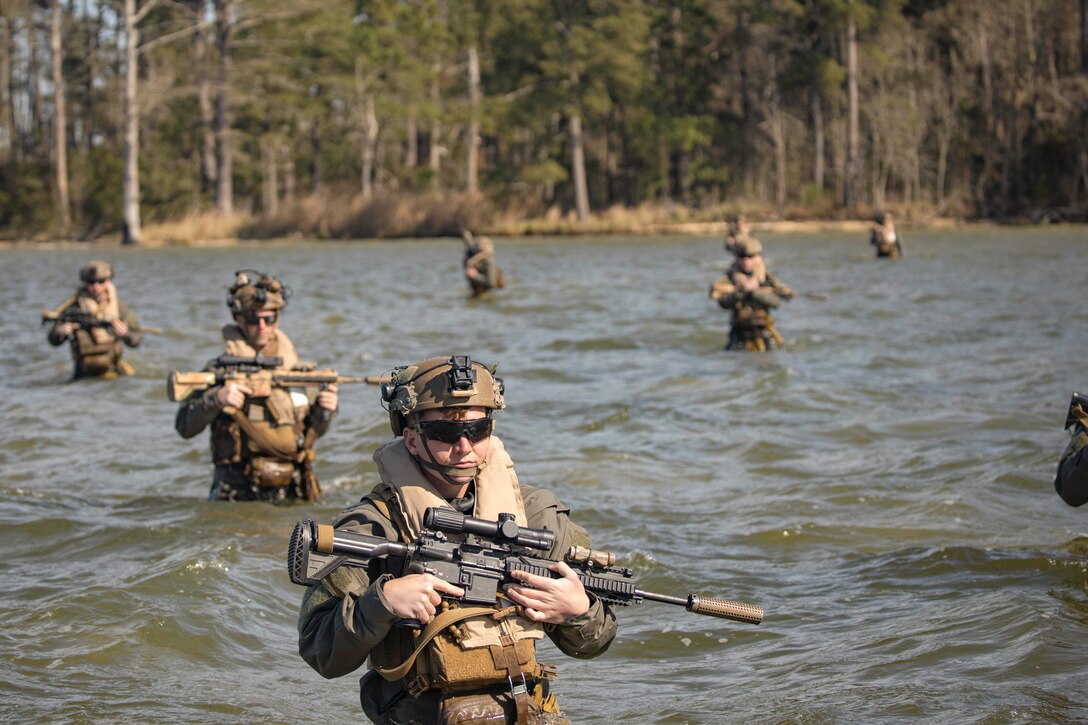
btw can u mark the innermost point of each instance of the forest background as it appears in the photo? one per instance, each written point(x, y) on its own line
point(189, 119)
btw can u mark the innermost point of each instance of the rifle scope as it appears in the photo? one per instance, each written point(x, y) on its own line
point(503, 531)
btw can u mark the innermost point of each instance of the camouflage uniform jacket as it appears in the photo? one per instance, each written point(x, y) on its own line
point(338, 629)
point(1071, 481)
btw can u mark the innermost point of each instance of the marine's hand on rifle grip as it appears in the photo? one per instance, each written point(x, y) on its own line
point(233, 394)
point(417, 596)
point(119, 328)
point(65, 329)
point(327, 398)
point(553, 601)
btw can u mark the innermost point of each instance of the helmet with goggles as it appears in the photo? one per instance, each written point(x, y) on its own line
point(254, 291)
point(454, 382)
point(97, 270)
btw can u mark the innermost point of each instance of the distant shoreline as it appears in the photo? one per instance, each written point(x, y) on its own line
point(693, 228)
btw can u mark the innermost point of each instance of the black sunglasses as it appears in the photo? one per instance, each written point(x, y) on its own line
point(256, 319)
point(452, 431)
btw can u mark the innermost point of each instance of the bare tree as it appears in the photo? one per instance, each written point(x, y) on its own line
point(853, 143)
point(224, 31)
point(472, 135)
point(60, 119)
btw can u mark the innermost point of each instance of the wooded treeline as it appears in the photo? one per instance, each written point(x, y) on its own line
point(118, 111)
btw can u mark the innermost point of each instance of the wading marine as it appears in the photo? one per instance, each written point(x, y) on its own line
point(750, 292)
point(1071, 480)
point(481, 270)
point(483, 668)
point(885, 238)
point(95, 321)
point(260, 439)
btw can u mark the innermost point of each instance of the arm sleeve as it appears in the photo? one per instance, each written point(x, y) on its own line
point(135, 336)
point(196, 412)
point(1071, 481)
point(590, 634)
point(346, 616)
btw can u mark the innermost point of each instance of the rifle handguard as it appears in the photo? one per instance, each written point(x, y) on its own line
point(737, 611)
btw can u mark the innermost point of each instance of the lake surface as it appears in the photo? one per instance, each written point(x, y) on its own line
point(883, 486)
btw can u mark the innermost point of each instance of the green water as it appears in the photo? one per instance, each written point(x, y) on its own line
point(882, 486)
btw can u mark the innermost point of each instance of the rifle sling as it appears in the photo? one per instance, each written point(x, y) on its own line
point(432, 630)
point(259, 436)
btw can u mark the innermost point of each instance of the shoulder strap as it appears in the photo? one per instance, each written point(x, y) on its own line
point(385, 500)
point(439, 623)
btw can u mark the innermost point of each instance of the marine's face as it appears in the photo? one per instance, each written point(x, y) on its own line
point(258, 327)
point(464, 453)
point(748, 263)
point(96, 288)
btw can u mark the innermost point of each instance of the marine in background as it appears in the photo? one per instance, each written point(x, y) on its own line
point(95, 321)
point(885, 238)
point(1071, 480)
point(749, 291)
point(480, 268)
point(476, 670)
point(250, 434)
point(738, 231)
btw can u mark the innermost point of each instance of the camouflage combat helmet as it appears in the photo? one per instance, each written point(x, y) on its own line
point(747, 247)
point(95, 270)
point(253, 291)
point(454, 382)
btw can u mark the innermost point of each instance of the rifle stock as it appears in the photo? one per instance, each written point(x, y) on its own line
point(260, 374)
point(483, 563)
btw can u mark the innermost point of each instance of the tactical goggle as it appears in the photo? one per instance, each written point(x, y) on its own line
point(258, 319)
point(452, 431)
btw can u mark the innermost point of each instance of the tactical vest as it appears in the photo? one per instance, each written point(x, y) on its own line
point(270, 452)
point(462, 649)
point(95, 351)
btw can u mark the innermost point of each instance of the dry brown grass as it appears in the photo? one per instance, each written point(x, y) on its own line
point(206, 228)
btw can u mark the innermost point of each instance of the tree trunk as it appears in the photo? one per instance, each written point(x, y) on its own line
point(472, 139)
point(7, 95)
point(288, 174)
point(224, 189)
point(60, 120)
point(87, 108)
point(435, 156)
point(818, 152)
point(270, 192)
point(853, 166)
point(208, 163)
point(1084, 35)
point(368, 130)
point(130, 180)
point(34, 80)
point(411, 136)
point(578, 168)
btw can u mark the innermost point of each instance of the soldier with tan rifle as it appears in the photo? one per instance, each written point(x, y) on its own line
point(263, 427)
point(95, 321)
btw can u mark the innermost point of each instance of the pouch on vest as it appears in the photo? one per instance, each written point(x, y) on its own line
point(489, 709)
point(270, 473)
point(452, 664)
point(93, 357)
point(226, 443)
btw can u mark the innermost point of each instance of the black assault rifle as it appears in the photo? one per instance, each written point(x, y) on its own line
point(1078, 410)
point(85, 320)
point(483, 562)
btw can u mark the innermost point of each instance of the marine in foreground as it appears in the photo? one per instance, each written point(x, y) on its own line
point(444, 456)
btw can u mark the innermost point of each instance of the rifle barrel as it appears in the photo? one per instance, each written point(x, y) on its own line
point(712, 606)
